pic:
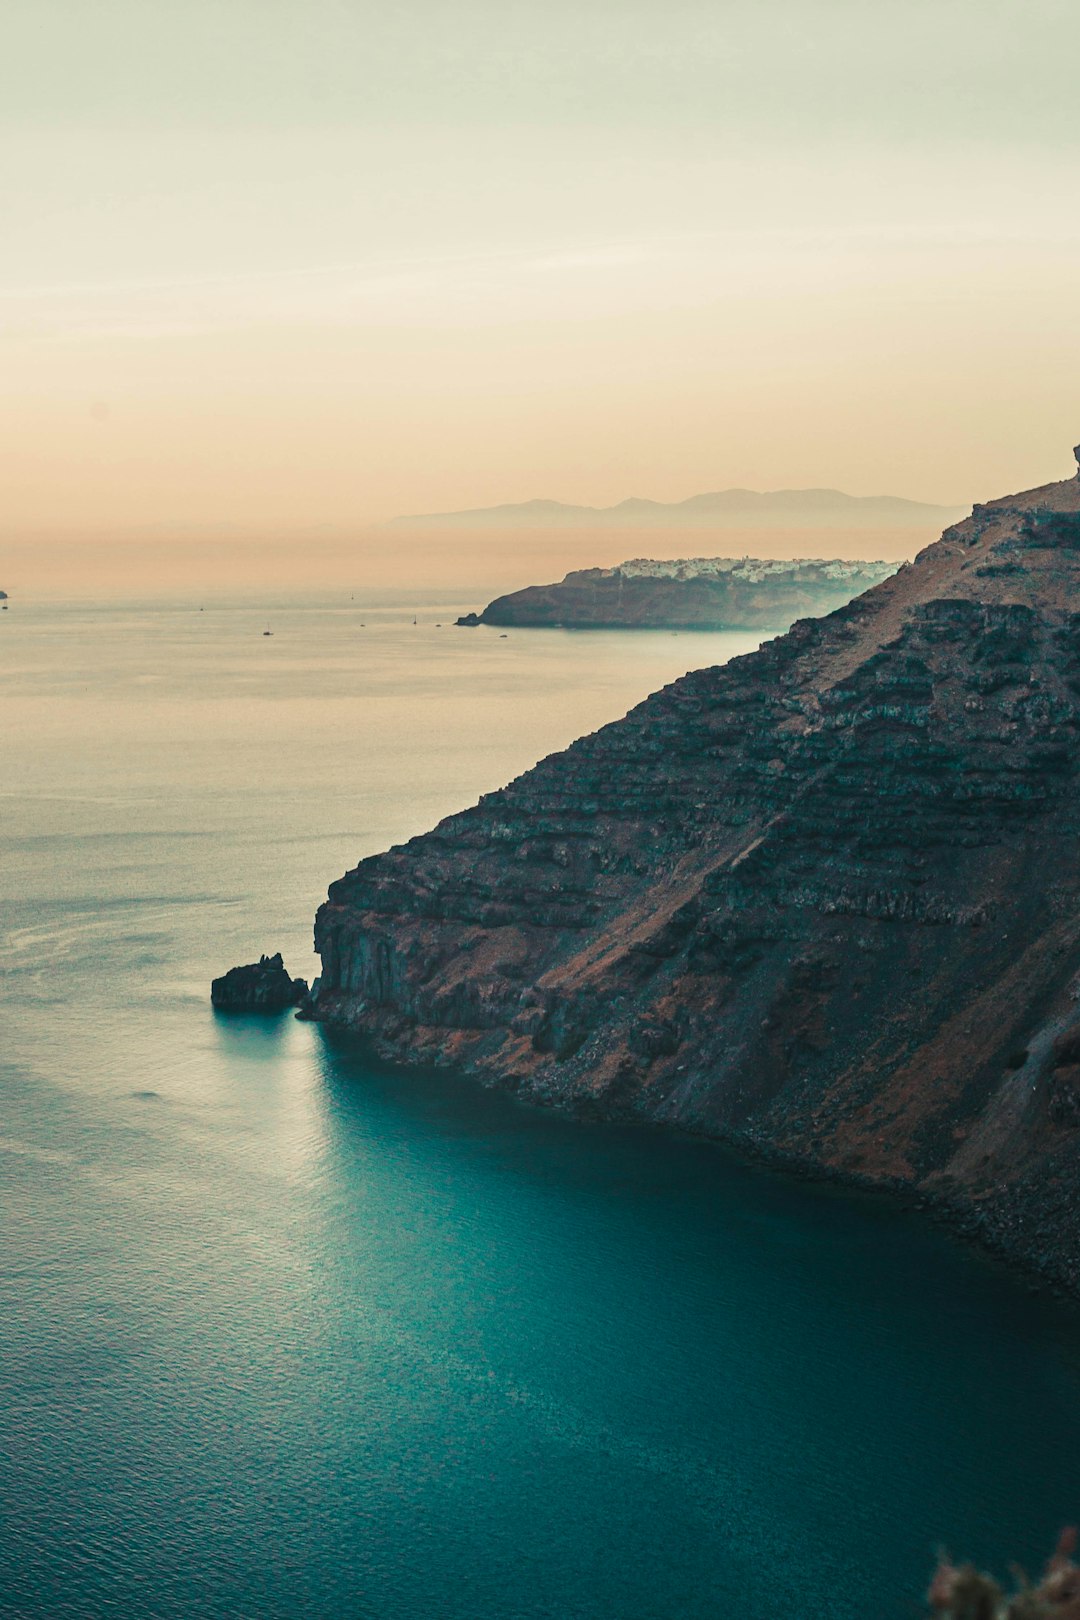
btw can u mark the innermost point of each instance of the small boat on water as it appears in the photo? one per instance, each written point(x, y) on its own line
point(268, 631)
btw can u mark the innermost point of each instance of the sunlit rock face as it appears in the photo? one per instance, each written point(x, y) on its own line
point(691, 593)
point(822, 900)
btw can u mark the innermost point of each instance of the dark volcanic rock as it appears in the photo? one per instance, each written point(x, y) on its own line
point(701, 593)
point(823, 900)
point(263, 986)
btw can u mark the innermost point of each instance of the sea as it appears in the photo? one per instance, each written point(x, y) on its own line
point(287, 1333)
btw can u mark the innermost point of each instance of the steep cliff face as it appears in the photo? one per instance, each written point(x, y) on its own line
point(698, 593)
point(824, 899)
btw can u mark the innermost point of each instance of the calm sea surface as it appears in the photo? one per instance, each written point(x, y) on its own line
point(282, 1334)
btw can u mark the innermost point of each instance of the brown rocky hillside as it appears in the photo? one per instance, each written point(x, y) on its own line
point(822, 900)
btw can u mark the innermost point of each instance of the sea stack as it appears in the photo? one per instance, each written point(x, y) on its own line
point(262, 987)
point(823, 900)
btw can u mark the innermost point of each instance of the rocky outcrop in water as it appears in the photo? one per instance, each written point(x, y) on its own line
point(697, 593)
point(263, 987)
point(823, 901)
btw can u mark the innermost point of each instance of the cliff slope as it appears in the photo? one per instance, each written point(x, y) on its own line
point(822, 900)
point(696, 593)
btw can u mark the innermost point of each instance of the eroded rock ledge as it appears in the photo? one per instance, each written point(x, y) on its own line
point(822, 900)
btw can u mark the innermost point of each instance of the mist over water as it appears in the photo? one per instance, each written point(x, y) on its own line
point(468, 565)
point(284, 1333)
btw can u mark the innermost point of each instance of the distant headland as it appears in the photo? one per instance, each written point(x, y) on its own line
point(694, 593)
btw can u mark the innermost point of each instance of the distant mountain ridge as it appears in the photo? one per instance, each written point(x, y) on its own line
point(787, 508)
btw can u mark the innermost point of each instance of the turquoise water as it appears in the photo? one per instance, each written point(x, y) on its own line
point(284, 1334)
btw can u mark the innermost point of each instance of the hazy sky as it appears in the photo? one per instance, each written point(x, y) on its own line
point(273, 262)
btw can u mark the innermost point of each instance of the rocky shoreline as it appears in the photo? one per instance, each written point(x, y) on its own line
point(1051, 1267)
point(822, 902)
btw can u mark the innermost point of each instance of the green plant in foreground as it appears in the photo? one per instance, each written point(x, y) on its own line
point(961, 1592)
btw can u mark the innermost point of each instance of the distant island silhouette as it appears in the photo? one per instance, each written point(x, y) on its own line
point(689, 593)
point(785, 508)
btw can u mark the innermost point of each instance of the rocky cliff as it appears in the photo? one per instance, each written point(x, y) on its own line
point(824, 900)
point(697, 593)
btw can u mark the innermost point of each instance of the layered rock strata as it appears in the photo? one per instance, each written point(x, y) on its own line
point(823, 900)
point(697, 593)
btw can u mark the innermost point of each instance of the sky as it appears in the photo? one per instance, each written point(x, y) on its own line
point(278, 265)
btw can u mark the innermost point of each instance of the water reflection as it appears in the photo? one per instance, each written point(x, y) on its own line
point(283, 1332)
point(806, 1345)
